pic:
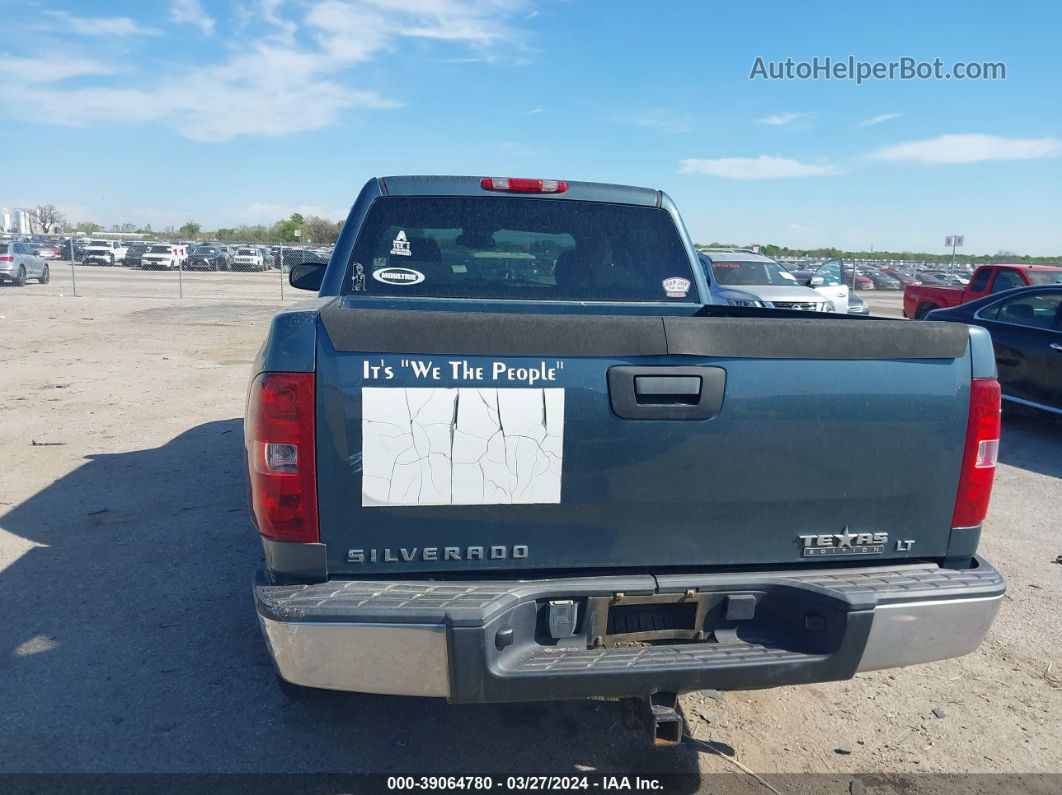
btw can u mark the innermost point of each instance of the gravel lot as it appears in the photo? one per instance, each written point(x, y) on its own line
point(129, 641)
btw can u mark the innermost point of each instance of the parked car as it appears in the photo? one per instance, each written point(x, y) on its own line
point(207, 258)
point(599, 483)
point(1026, 328)
point(743, 278)
point(134, 253)
point(105, 252)
point(906, 279)
point(987, 279)
point(828, 279)
point(72, 251)
point(857, 306)
point(884, 281)
point(248, 258)
point(296, 256)
point(863, 282)
point(19, 262)
point(950, 279)
point(164, 256)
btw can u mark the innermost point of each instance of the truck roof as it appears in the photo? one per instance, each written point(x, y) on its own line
point(424, 185)
point(1027, 266)
point(734, 255)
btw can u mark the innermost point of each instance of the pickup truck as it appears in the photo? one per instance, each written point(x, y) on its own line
point(512, 452)
point(921, 299)
point(105, 252)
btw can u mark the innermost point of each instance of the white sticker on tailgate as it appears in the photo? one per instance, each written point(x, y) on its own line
point(461, 446)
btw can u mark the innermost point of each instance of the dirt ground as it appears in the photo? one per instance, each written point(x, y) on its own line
point(129, 641)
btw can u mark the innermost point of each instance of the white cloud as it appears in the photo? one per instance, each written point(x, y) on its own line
point(266, 92)
point(271, 82)
point(534, 111)
point(101, 26)
point(778, 119)
point(355, 31)
point(49, 70)
point(762, 167)
point(192, 12)
point(969, 148)
point(283, 29)
point(878, 119)
point(662, 119)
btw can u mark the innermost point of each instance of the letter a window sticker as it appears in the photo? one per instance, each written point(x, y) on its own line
point(400, 245)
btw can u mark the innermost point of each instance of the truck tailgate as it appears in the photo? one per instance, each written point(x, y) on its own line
point(465, 441)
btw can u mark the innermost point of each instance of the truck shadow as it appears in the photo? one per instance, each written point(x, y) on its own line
point(129, 643)
point(1031, 441)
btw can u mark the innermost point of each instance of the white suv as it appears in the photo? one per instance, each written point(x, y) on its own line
point(248, 258)
point(164, 256)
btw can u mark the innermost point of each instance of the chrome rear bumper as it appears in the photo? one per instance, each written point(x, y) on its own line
point(479, 642)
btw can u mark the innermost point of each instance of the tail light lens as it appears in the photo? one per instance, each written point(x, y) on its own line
point(519, 185)
point(281, 460)
point(7, 259)
point(979, 457)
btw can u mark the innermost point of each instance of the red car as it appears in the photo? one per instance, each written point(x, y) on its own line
point(919, 299)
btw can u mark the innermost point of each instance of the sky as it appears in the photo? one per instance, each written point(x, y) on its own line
point(244, 111)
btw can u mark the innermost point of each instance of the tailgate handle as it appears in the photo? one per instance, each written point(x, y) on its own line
point(666, 393)
point(659, 389)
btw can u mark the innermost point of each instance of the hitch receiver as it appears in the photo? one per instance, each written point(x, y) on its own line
point(658, 715)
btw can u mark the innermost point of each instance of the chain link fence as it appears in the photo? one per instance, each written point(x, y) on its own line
point(73, 271)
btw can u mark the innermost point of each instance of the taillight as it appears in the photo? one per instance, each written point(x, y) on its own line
point(979, 457)
point(7, 259)
point(519, 185)
point(280, 456)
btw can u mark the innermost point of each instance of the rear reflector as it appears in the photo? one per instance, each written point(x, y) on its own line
point(280, 456)
point(979, 455)
point(518, 185)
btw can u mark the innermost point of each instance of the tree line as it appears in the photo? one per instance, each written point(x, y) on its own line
point(311, 229)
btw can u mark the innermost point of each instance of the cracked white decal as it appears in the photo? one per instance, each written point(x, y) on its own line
point(461, 446)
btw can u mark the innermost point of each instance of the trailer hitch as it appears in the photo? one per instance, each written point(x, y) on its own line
point(658, 715)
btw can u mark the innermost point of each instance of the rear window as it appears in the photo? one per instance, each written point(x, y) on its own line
point(104, 243)
point(3, 248)
point(159, 250)
point(519, 248)
point(1039, 278)
point(246, 252)
point(752, 273)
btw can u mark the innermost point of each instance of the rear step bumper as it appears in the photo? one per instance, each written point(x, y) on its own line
point(490, 641)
